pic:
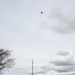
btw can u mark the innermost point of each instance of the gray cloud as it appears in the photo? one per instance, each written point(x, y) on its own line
point(44, 26)
point(62, 63)
point(61, 21)
point(62, 53)
point(65, 21)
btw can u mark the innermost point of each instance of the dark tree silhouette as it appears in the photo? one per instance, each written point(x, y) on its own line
point(5, 60)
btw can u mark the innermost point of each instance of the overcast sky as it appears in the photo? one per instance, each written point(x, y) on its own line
point(30, 34)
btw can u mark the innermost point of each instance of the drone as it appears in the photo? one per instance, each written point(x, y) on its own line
point(41, 12)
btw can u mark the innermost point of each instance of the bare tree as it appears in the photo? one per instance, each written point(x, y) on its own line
point(5, 60)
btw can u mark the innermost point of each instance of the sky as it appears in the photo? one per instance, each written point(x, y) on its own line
point(30, 34)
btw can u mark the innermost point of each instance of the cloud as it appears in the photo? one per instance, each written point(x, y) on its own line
point(44, 26)
point(64, 21)
point(62, 64)
point(61, 21)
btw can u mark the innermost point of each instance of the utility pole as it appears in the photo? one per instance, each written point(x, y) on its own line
point(32, 66)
